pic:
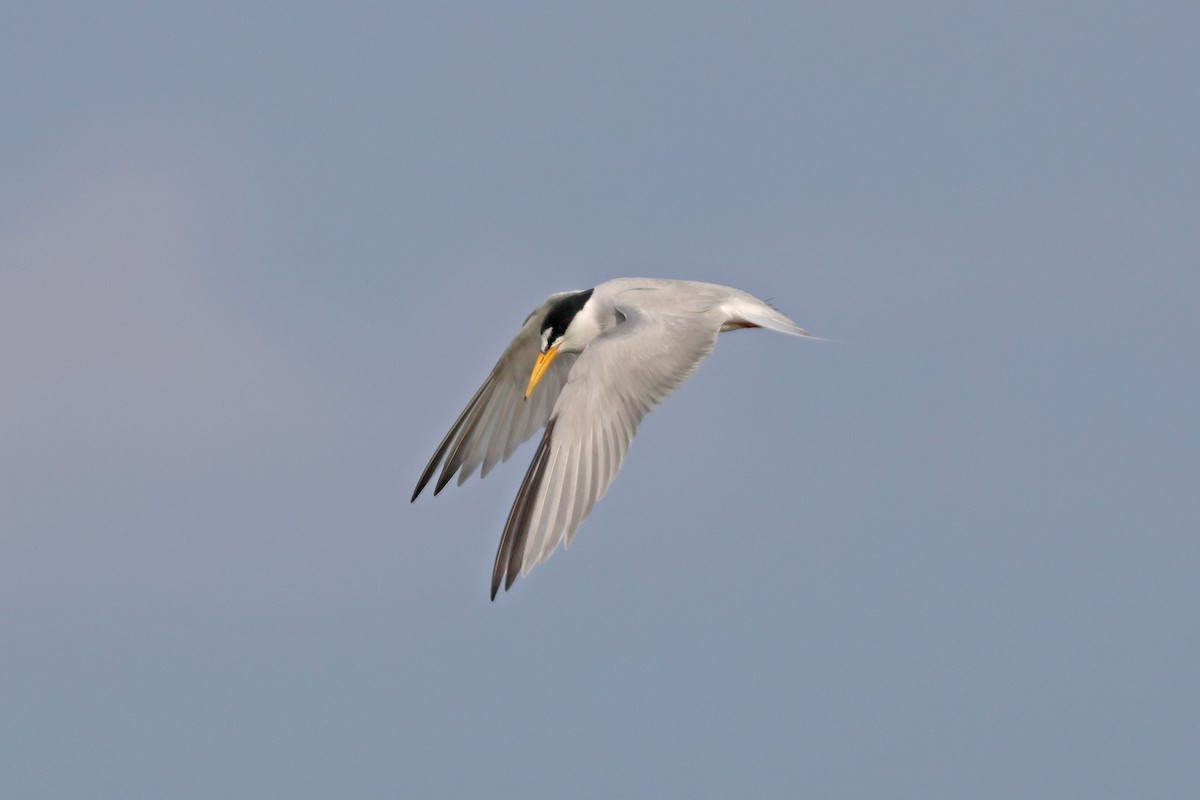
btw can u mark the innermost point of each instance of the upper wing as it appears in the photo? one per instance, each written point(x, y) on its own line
point(499, 418)
point(617, 379)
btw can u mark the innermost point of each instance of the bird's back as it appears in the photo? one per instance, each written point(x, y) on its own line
point(730, 308)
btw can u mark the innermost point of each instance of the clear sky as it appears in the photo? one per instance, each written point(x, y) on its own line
point(255, 258)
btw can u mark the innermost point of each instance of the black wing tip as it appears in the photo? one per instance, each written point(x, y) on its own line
point(497, 579)
point(426, 475)
point(500, 574)
point(512, 541)
point(507, 578)
point(421, 484)
point(497, 575)
point(420, 487)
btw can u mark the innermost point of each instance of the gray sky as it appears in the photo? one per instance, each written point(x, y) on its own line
point(253, 261)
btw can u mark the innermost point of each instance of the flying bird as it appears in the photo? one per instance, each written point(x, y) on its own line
point(586, 366)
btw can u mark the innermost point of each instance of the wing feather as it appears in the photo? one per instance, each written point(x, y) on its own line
point(508, 559)
point(474, 442)
point(498, 418)
point(620, 377)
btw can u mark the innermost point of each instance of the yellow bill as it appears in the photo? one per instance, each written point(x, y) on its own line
point(539, 369)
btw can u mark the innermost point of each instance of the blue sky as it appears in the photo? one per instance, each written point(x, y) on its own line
point(255, 258)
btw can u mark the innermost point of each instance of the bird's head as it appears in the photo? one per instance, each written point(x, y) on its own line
point(567, 328)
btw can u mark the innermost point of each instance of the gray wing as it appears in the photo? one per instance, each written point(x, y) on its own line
point(499, 418)
point(618, 378)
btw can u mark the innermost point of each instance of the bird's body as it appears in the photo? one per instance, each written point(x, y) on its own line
point(600, 360)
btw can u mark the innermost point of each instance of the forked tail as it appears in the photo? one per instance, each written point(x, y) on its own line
point(750, 312)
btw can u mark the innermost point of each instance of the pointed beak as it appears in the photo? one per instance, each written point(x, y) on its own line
point(539, 369)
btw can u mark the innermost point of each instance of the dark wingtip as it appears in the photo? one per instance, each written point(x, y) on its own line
point(512, 542)
point(423, 481)
point(496, 575)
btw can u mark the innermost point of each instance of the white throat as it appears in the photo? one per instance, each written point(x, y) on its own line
point(583, 329)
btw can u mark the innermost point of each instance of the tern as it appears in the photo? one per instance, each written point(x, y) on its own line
point(585, 368)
